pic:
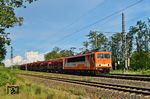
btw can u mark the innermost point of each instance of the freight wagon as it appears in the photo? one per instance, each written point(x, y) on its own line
point(89, 63)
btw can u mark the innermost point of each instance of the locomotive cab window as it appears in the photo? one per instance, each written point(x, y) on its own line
point(103, 55)
point(76, 59)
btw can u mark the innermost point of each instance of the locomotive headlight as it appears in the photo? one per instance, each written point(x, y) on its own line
point(104, 65)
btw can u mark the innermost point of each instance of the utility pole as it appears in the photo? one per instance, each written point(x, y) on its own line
point(11, 56)
point(124, 44)
point(96, 40)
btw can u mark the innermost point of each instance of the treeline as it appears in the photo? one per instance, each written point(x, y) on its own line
point(136, 49)
point(57, 53)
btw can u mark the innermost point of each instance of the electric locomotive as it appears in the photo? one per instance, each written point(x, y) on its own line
point(89, 63)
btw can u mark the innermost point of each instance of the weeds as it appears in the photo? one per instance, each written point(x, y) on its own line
point(7, 76)
point(37, 90)
point(50, 96)
point(138, 72)
point(30, 90)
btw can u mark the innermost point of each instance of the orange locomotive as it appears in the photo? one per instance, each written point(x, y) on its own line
point(89, 63)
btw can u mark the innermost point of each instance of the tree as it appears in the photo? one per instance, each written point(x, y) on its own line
point(92, 37)
point(72, 50)
point(140, 56)
point(116, 45)
point(86, 44)
point(58, 53)
point(102, 41)
point(56, 49)
point(97, 40)
point(8, 19)
point(66, 53)
point(4, 40)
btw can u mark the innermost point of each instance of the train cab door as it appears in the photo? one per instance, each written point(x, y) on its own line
point(92, 61)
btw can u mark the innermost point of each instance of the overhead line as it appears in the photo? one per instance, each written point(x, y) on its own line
point(109, 16)
point(76, 20)
point(104, 18)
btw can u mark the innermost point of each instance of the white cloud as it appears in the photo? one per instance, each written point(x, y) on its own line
point(34, 56)
point(7, 62)
point(30, 57)
point(17, 60)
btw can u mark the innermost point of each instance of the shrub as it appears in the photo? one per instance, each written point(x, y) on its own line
point(37, 90)
point(4, 78)
point(50, 96)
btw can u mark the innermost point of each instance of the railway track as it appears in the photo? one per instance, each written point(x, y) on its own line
point(126, 76)
point(133, 75)
point(124, 88)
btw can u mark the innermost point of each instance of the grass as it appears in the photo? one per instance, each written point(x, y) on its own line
point(33, 91)
point(60, 90)
point(7, 77)
point(29, 90)
point(138, 72)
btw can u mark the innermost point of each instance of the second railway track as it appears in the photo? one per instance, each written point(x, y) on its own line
point(119, 87)
point(127, 76)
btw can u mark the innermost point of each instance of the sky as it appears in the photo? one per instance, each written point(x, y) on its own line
point(61, 23)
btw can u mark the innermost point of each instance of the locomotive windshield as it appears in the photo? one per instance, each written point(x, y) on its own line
point(103, 55)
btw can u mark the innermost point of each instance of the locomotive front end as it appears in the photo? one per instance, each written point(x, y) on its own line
point(103, 61)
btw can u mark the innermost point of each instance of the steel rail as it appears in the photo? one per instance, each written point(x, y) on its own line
point(124, 88)
point(137, 75)
point(126, 76)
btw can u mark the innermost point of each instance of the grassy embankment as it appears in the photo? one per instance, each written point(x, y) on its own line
point(70, 89)
point(29, 90)
point(138, 72)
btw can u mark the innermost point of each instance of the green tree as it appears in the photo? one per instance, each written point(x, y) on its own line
point(116, 45)
point(93, 39)
point(57, 53)
point(86, 44)
point(102, 41)
point(4, 40)
point(98, 40)
point(140, 56)
point(53, 54)
point(8, 19)
point(56, 49)
point(66, 53)
point(72, 50)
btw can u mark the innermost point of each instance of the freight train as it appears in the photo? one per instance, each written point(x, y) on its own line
point(89, 63)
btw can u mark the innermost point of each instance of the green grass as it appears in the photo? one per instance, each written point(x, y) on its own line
point(30, 90)
point(7, 77)
point(138, 72)
point(33, 91)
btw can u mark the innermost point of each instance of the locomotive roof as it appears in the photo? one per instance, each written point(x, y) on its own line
point(87, 54)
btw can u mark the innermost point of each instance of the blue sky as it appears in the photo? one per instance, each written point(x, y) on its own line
point(47, 22)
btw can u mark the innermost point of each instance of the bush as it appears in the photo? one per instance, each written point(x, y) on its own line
point(50, 96)
point(7, 76)
point(4, 78)
point(37, 90)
